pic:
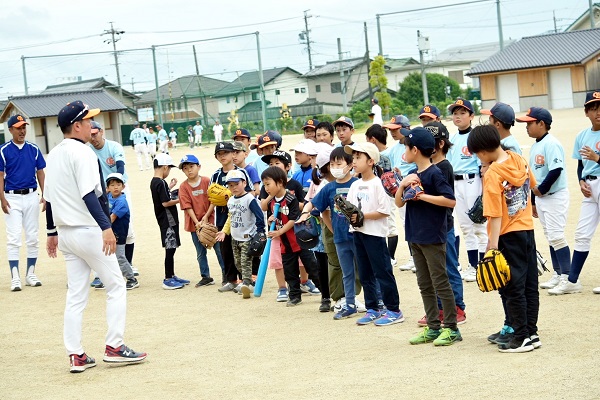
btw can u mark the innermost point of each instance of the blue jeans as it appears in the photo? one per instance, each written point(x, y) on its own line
point(201, 256)
point(345, 251)
point(452, 269)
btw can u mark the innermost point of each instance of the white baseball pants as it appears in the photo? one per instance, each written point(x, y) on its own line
point(163, 146)
point(152, 149)
point(589, 217)
point(82, 249)
point(466, 192)
point(24, 214)
point(552, 211)
point(141, 150)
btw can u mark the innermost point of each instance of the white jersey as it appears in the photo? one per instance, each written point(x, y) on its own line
point(72, 172)
point(546, 155)
point(377, 118)
point(463, 162)
point(369, 196)
point(588, 137)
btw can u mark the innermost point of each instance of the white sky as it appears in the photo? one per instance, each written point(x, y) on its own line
point(31, 27)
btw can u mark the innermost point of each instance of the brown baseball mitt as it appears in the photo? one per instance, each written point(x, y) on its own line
point(207, 234)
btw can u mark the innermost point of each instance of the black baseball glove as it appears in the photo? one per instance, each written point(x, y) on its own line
point(349, 209)
point(257, 244)
point(476, 212)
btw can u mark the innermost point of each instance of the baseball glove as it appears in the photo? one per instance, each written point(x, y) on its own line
point(476, 212)
point(390, 181)
point(493, 272)
point(257, 244)
point(541, 264)
point(218, 194)
point(349, 209)
point(207, 234)
point(412, 192)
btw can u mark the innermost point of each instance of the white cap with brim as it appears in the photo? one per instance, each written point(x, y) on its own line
point(323, 154)
point(163, 159)
point(235, 175)
point(116, 176)
point(306, 146)
point(369, 148)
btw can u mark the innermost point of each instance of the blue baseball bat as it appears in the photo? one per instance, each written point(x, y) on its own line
point(264, 261)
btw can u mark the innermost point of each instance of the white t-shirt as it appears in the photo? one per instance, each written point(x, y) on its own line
point(198, 130)
point(372, 198)
point(377, 118)
point(218, 129)
point(72, 171)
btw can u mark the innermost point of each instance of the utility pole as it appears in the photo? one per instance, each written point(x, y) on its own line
point(202, 97)
point(554, 18)
point(263, 101)
point(114, 41)
point(158, 105)
point(342, 83)
point(500, 25)
point(24, 75)
point(379, 35)
point(592, 25)
point(368, 60)
point(305, 38)
point(423, 43)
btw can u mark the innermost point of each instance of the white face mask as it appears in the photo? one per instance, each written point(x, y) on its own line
point(338, 173)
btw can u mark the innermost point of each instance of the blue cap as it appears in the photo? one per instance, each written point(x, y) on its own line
point(502, 112)
point(397, 122)
point(461, 103)
point(75, 111)
point(537, 114)
point(189, 159)
point(269, 138)
point(344, 121)
point(421, 138)
point(311, 123)
point(591, 97)
point(241, 133)
point(430, 111)
point(17, 121)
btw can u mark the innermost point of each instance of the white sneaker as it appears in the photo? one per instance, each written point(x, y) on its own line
point(238, 288)
point(566, 287)
point(341, 303)
point(408, 266)
point(394, 262)
point(552, 283)
point(360, 307)
point(596, 290)
point(32, 280)
point(470, 275)
point(458, 267)
point(414, 270)
point(15, 285)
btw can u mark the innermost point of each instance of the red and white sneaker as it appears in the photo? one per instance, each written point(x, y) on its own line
point(461, 316)
point(423, 321)
point(123, 355)
point(81, 363)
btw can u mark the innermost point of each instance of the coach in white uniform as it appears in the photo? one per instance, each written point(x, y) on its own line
point(21, 162)
point(78, 224)
point(138, 138)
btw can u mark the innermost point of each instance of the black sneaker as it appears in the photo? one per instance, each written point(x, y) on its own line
point(535, 341)
point(205, 281)
point(325, 305)
point(81, 363)
point(516, 346)
point(294, 302)
point(123, 355)
point(503, 336)
point(132, 283)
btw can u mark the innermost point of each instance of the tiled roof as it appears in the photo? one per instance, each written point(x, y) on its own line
point(250, 80)
point(87, 84)
point(185, 86)
point(476, 52)
point(565, 48)
point(48, 105)
point(333, 67)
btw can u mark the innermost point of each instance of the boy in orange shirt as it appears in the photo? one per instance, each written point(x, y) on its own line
point(507, 206)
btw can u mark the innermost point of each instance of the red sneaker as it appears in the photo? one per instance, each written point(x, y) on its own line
point(123, 354)
point(81, 363)
point(461, 317)
point(423, 321)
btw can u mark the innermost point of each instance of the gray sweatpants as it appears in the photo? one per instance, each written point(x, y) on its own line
point(126, 269)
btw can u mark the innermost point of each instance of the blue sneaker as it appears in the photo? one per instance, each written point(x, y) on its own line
point(389, 318)
point(347, 311)
point(369, 317)
point(170, 284)
point(182, 281)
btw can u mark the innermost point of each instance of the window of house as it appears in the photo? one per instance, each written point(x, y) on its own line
point(303, 90)
point(227, 100)
point(277, 92)
point(318, 88)
point(336, 87)
point(179, 105)
point(458, 76)
point(255, 96)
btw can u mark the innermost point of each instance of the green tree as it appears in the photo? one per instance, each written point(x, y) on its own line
point(360, 111)
point(411, 89)
point(377, 79)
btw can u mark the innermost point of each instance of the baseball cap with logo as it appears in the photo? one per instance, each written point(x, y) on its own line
point(421, 138)
point(241, 133)
point(235, 175)
point(239, 146)
point(537, 114)
point(323, 154)
point(115, 176)
point(188, 159)
point(163, 159)
point(461, 103)
point(280, 154)
point(223, 146)
point(17, 121)
point(398, 122)
point(502, 112)
point(307, 233)
point(591, 97)
point(269, 138)
point(344, 121)
point(306, 146)
point(429, 111)
point(438, 130)
point(369, 148)
point(75, 111)
point(311, 123)
point(96, 127)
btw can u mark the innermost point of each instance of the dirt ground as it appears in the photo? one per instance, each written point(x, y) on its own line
point(205, 344)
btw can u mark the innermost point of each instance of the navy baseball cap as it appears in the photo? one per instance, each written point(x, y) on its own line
point(96, 127)
point(269, 138)
point(502, 112)
point(223, 146)
point(421, 138)
point(241, 133)
point(591, 97)
point(344, 121)
point(188, 159)
point(537, 114)
point(398, 122)
point(282, 155)
point(430, 111)
point(75, 111)
point(311, 123)
point(307, 233)
point(438, 130)
point(17, 121)
point(461, 103)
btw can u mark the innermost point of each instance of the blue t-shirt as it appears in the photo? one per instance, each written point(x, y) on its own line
point(20, 165)
point(426, 223)
point(252, 173)
point(108, 156)
point(138, 136)
point(510, 142)
point(252, 157)
point(120, 208)
point(587, 137)
point(304, 176)
point(324, 200)
point(151, 138)
point(546, 155)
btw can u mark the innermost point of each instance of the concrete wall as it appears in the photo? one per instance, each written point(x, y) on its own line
point(534, 101)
